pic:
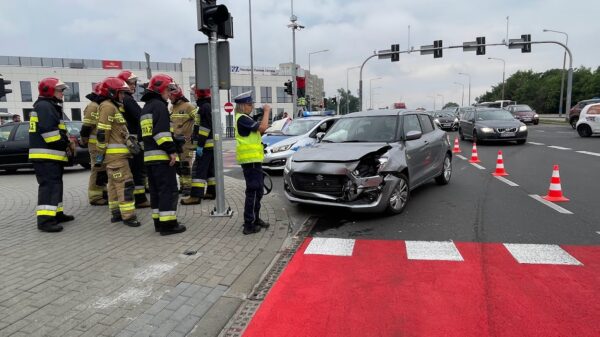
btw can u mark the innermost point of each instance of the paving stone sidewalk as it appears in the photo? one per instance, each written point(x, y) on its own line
point(102, 279)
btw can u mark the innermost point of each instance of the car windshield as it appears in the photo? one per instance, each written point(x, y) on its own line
point(443, 114)
point(74, 128)
point(522, 108)
point(362, 129)
point(300, 126)
point(492, 115)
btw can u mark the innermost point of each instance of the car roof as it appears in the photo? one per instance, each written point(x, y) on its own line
point(313, 118)
point(383, 112)
point(590, 100)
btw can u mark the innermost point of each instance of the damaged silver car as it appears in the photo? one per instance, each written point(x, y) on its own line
point(370, 161)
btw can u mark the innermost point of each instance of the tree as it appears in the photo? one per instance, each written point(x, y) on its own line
point(450, 105)
point(343, 95)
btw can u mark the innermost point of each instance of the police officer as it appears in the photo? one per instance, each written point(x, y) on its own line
point(98, 177)
point(250, 154)
point(48, 150)
point(183, 119)
point(112, 149)
point(203, 170)
point(160, 155)
point(132, 116)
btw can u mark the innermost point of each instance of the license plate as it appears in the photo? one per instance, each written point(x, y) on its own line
point(527, 119)
point(507, 134)
point(446, 124)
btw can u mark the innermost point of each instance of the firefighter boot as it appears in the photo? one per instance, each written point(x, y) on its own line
point(171, 227)
point(191, 201)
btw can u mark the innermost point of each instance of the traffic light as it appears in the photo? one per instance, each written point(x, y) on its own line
point(526, 47)
point(211, 15)
point(334, 100)
point(325, 101)
point(437, 52)
point(480, 49)
point(288, 87)
point(395, 56)
point(3, 90)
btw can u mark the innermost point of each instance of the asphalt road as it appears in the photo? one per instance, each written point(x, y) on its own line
point(476, 207)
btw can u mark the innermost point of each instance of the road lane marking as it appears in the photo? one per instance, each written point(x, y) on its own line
point(540, 254)
point(506, 181)
point(540, 130)
point(560, 147)
point(432, 250)
point(597, 232)
point(330, 246)
point(478, 166)
point(461, 157)
point(534, 143)
point(550, 204)
point(590, 153)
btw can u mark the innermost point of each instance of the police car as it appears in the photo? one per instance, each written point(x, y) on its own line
point(300, 133)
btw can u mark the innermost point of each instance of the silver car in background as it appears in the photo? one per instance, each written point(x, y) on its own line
point(370, 161)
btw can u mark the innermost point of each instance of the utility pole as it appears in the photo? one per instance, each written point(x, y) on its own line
point(503, 75)
point(468, 75)
point(371, 91)
point(348, 89)
point(251, 50)
point(462, 102)
point(442, 96)
point(294, 26)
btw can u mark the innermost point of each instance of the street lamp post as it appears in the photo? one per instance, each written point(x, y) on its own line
point(562, 81)
point(294, 26)
point(503, 74)
point(442, 96)
point(348, 89)
point(309, 81)
point(432, 96)
point(373, 94)
point(468, 75)
point(371, 91)
point(462, 102)
point(251, 50)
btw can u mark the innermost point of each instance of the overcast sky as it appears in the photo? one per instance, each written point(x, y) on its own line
point(350, 29)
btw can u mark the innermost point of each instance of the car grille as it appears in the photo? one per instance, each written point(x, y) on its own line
point(319, 183)
point(502, 130)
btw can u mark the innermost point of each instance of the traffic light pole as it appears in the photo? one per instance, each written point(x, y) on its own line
point(217, 130)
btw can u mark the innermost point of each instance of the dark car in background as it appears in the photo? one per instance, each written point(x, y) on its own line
point(576, 110)
point(524, 113)
point(14, 146)
point(369, 162)
point(491, 124)
point(446, 120)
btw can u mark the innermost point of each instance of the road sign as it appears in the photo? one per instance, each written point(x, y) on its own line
point(228, 107)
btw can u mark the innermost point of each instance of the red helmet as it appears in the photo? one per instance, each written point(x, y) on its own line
point(127, 75)
point(111, 86)
point(161, 82)
point(200, 93)
point(176, 94)
point(97, 88)
point(47, 86)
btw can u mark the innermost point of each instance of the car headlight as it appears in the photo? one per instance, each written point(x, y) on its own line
point(455, 120)
point(487, 130)
point(281, 148)
point(536, 116)
point(523, 128)
point(436, 120)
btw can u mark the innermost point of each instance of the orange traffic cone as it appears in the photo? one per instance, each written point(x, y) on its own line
point(500, 166)
point(474, 156)
point(456, 147)
point(555, 190)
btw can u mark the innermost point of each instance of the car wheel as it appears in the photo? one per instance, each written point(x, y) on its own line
point(521, 141)
point(462, 137)
point(444, 177)
point(573, 122)
point(584, 130)
point(86, 166)
point(475, 139)
point(399, 196)
point(536, 122)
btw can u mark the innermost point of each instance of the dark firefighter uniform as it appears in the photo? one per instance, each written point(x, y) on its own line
point(136, 163)
point(48, 143)
point(250, 155)
point(159, 144)
point(112, 136)
point(98, 178)
point(183, 120)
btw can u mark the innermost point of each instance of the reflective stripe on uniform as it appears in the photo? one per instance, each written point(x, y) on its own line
point(202, 131)
point(93, 139)
point(116, 149)
point(45, 210)
point(113, 204)
point(155, 214)
point(47, 154)
point(51, 136)
point(155, 155)
point(209, 143)
point(162, 137)
point(167, 216)
point(212, 181)
point(139, 189)
point(103, 126)
point(60, 207)
point(198, 182)
point(61, 125)
point(127, 206)
point(89, 121)
point(249, 149)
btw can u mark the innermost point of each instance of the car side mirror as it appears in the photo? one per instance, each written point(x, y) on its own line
point(412, 135)
point(320, 136)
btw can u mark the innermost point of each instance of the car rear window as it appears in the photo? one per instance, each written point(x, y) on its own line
point(594, 110)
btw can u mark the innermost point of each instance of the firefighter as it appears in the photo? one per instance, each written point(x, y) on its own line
point(160, 155)
point(113, 151)
point(249, 154)
point(203, 170)
point(98, 178)
point(49, 149)
point(183, 119)
point(132, 116)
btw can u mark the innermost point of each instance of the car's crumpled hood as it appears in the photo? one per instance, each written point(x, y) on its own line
point(337, 152)
point(499, 124)
point(273, 138)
